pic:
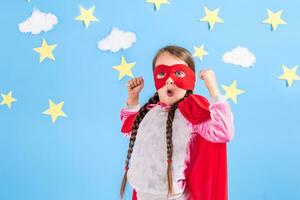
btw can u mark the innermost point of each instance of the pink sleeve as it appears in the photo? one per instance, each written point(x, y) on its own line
point(126, 111)
point(219, 128)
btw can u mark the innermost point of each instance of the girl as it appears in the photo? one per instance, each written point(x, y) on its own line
point(177, 147)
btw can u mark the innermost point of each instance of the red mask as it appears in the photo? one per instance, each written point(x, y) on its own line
point(186, 82)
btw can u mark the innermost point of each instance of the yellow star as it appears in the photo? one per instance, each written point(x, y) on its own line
point(232, 92)
point(55, 110)
point(289, 75)
point(124, 68)
point(7, 99)
point(158, 3)
point(274, 19)
point(199, 52)
point(211, 17)
point(86, 16)
point(45, 50)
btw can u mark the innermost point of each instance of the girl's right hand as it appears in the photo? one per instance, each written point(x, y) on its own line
point(135, 85)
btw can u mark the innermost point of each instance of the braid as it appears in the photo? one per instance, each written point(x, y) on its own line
point(169, 131)
point(141, 114)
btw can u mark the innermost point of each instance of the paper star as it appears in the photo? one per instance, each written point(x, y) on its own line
point(8, 99)
point(124, 68)
point(199, 52)
point(274, 19)
point(289, 75)
point(232, 92)
point(45, 50)
point(158, 3)
point(55, 110)
point(86, 16)
point(211, 17)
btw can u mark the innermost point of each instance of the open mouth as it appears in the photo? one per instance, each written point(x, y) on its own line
point(169, 92)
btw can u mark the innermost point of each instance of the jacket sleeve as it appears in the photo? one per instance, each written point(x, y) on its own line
point(220, 127)
point(127, 116)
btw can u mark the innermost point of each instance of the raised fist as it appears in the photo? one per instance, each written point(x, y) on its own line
point(135, 85)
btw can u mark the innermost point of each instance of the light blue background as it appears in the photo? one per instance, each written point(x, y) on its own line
point(82, 156)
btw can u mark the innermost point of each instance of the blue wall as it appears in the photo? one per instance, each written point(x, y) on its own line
point(82, 156)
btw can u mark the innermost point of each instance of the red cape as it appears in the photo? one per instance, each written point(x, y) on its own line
point(206, 175)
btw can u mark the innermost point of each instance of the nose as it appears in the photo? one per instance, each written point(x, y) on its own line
point(169, 81)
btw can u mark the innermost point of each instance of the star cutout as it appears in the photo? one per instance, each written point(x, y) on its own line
point(55, 110)
point(45, 50)
point(158, 3)
point(289, 75)
point(199, 52)
point(8, 99)
point(274, 19)
point(124, 68)
point(211, 17)
point(86, 16)
point(232, 92)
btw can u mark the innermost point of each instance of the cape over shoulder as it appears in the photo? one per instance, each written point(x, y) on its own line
point(195, 108)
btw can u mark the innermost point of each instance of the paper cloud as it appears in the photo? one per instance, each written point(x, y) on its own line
point(239, 56)
point(116, 40)
point(38, 22)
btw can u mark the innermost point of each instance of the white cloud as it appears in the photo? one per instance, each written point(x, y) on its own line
point(38, 22)
point(116, 40)
point(240, 56)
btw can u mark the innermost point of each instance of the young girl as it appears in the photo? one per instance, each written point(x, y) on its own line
point(177, 147)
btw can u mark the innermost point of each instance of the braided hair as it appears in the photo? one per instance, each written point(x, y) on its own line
point(141, 114)
point(169, 131)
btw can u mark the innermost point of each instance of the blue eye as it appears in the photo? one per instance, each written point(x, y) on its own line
point(180, 74)
point(161, 74)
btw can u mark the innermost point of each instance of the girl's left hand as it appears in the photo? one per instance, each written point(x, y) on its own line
point(210, 81)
